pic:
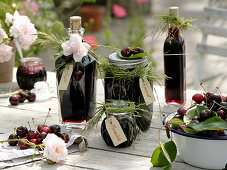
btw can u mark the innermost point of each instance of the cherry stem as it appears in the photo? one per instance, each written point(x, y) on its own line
point(219, 91)
point(47, 116)
point(201, 84)
point(29, 125)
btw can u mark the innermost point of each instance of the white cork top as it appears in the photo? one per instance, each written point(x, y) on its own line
point(174, 10)
point(75, 23)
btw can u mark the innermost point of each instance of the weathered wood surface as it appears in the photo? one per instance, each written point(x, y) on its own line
point(98, 155)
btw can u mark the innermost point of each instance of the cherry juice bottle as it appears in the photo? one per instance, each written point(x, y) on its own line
point(174, 64)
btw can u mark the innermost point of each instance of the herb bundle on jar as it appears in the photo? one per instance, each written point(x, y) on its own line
point(129, 75)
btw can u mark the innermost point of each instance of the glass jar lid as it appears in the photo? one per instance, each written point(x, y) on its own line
point(31, 60)
point(129, 64)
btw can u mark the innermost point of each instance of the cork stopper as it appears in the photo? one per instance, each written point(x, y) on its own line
point(174, 11)
point(75, 23)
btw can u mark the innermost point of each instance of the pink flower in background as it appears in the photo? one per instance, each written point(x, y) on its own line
point(142, 1)
point(6, 53)
point(76, 47)
point(3, 34)
point(24, 30)
point(22, 12)
point(119, 11)
point(55, 148)
point(31, 5)
point(90, 39)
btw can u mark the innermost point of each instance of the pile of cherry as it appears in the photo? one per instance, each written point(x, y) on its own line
point(128, 51)
point(21, 96)
point(215, 104)
point(35, 137)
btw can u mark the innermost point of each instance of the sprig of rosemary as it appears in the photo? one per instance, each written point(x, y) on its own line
point(123, 74)
point(50, 40)
point(107, 108)
point(181, 23)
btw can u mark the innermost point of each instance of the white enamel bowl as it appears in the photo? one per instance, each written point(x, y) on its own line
point(200, 151)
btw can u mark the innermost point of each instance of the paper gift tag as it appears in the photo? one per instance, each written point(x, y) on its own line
point(115, 131)
point(65, 78)
point(146, 90)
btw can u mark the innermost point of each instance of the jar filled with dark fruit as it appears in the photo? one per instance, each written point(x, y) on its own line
point(128, 89)
point(78, 101)
point(126, 122)
point(30, 71)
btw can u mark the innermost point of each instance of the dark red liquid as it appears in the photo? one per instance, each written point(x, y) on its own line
point(78, 102)
point(28, 73)
point(174, 66)
point(129, 128)
point(130, 91)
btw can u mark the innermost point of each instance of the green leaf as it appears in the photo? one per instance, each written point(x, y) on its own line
point(164, 154)
point(132, 57)
point(213, 123)
point(176, 121)
point(190, 131)
point(193, 112)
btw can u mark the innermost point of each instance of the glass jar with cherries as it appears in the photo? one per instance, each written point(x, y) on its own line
point(30, 71)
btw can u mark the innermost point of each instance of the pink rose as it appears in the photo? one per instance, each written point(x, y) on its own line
point(24, 30)
point(76, 47)
point(119, 11)
point(6, 53)
point(55, 148)
point(3, 34)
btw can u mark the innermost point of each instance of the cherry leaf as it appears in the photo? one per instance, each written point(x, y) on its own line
point(164, 154)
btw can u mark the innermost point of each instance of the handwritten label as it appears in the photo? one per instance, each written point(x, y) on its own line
point(146, 90)
point(65, 78)
point(115, 131)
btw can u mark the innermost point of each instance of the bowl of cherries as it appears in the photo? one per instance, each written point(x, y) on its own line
point(200, 131)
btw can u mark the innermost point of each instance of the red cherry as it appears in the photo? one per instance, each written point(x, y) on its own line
point(198, 98)
point(182, 111)
point(45, 129)
point(35, 141)
point(32, 134)
point(65, 137)
point(78, 75)
point(23, 145)
point(14, 100)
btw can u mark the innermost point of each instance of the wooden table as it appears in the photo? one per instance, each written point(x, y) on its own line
point(98, 154)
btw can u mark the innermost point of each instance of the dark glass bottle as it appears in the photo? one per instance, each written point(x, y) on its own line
point(78, 101)
point(127, 124)
point(128, 90)
point(30, 71)
point(174, 67)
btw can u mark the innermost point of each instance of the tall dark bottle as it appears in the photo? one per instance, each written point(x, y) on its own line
point(174, 64)
point(78, 101)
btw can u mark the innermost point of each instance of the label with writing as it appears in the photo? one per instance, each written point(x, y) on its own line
point(146, 90)
point(115, 131)
point(65, 78)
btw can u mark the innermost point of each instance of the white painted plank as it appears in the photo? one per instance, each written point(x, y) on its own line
point(214, 30)
point(208, 49)
point(219, 13)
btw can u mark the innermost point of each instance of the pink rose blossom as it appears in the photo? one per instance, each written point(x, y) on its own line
point(119, 11)
point(24, 30)
point(76, 47)
point(90, 39)
point(55, 148)
point(142, 1)
point(6, 53)
point(22, 12)
point(3, 34)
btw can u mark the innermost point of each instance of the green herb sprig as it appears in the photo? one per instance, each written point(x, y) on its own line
point(123, 74)
point(106, 108)
point(180, 23)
